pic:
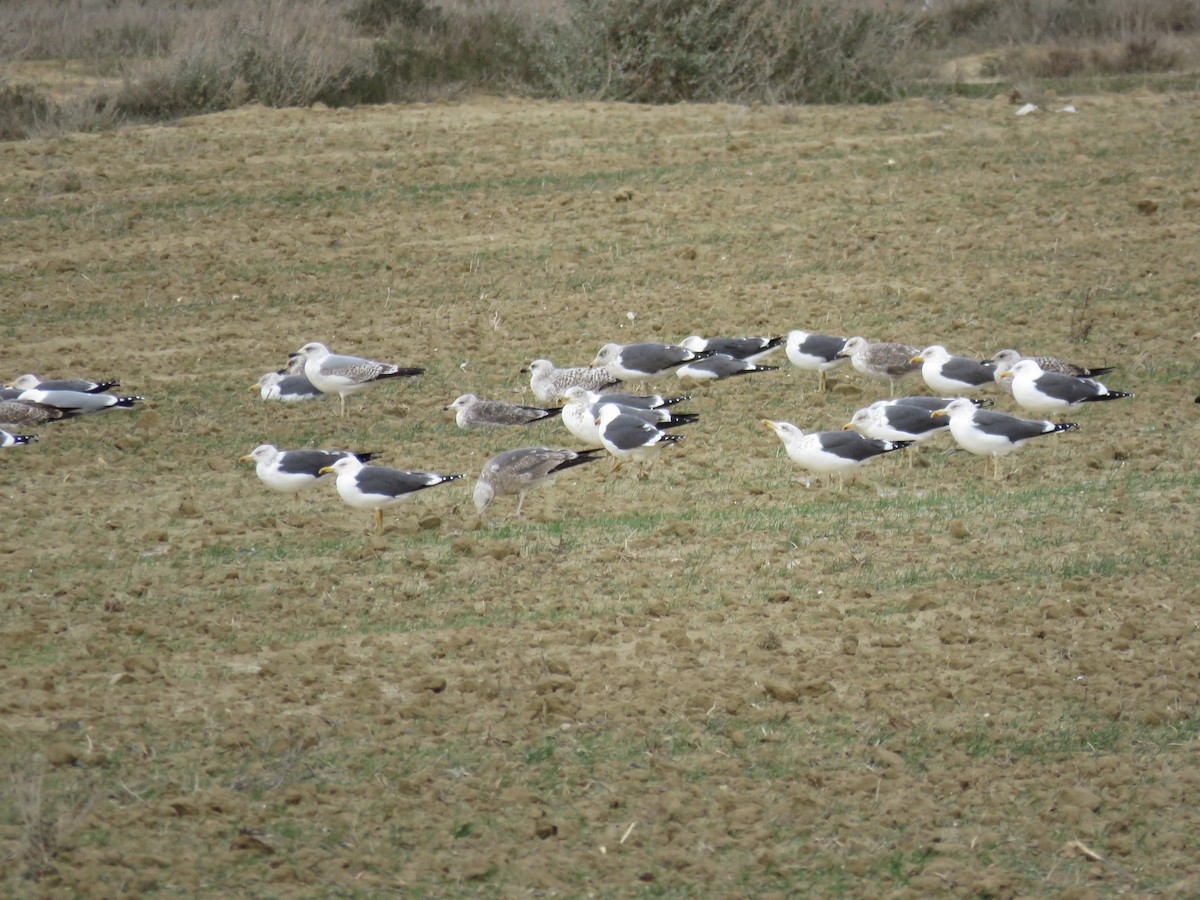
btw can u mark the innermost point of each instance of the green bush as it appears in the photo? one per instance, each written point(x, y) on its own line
point(791, 51)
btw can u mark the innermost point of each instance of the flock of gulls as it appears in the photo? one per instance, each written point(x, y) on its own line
point(606, 408)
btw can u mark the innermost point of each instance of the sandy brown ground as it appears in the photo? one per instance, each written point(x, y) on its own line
point(711, 681)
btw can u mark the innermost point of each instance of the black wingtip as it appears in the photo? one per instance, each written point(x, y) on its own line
point(128, 401)
point(27, 438)
point(671, 401)
point(581, 457)
point(410, 372)
point(367, 456)
point(1064, 426)
point(102, 386)
point(1111, 395)
point(1098, 371)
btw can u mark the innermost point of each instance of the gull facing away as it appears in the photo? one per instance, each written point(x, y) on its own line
point(643, 361)
point(986, 433)
point(549, 383)
point(286, 388)
point(290, 471)
point(950, 374)
point(885, 361)
point(378, 487)
point(820, 353)
point(751, 349)
point(83, 385)
point(8, 439)
point(345, 375)
point(471, 412)
point(521, 470)
point(1042, 392)
point(830, 452)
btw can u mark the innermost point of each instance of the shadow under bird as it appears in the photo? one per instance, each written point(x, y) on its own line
point(378, 487)
point(994, 434)
point(471, 412)
point(522, 470)
point(332, 373)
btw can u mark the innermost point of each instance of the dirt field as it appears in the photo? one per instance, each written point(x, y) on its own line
point(712, 681)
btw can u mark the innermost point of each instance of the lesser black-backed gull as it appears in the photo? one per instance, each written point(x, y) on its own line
point(818, 353)
point(1009, 358)
point(8, 439)
point(83, 385)
point(286, 388)
point(521, 470)
point(629, 437)
point(929, 404)
point(583, 407)
point(889, 420)
point(645, 360)
point(290, 471)
point(717, 367)
point(885, 360)
point(471, 412)
point(993, 434)
point(950, 374)
point(1042, 392)
point(345, 375)
point(549, 383)
point(377, 487)
point(830, 452)
point(21, 414)
point(77, 403)
point(751, 348)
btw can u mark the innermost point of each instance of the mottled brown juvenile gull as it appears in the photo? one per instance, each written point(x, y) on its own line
point(471, 412)
point(820, 353)
point(950, 374)
point(290, 471)
point(1042, 392)
point(286, 388)
point(993, 434)
point(377, 487)
point(630, 438)
point(885, 361)
point(645, 360)
point(830, 452)
point(77, 403)
point(549, 383)
point(21, 414)
point(8, 439)
point(520, 471)
point(1009, 358)
point(748, 348)
point(84, 385)
point(582, 409)
point(345, 375)
point(717, 367)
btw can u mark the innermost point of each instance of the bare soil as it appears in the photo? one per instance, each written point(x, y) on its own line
point(713, 680)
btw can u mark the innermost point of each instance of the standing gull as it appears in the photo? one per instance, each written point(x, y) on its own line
point(748, 348)
point(520, 471)
point(643, 361)
point(344, 375)
point(77, 403)
point(582, 409)
point(818, 353)
point(83, 385)
point(377, 487)
point(717, 367)
point(830, 452)
point(471, 412)
point(630, 438)
point(286, 388)
point(993, 434)
point(1043, 392)
point(549, 383)
point(887, 420)
point(951, 374)
point(885, 361)
point(7, 439)
point(290, 471)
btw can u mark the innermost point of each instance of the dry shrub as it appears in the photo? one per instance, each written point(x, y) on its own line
point(23, 109)
point(1061, 60)
point(47, 819)
point(996, 22)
